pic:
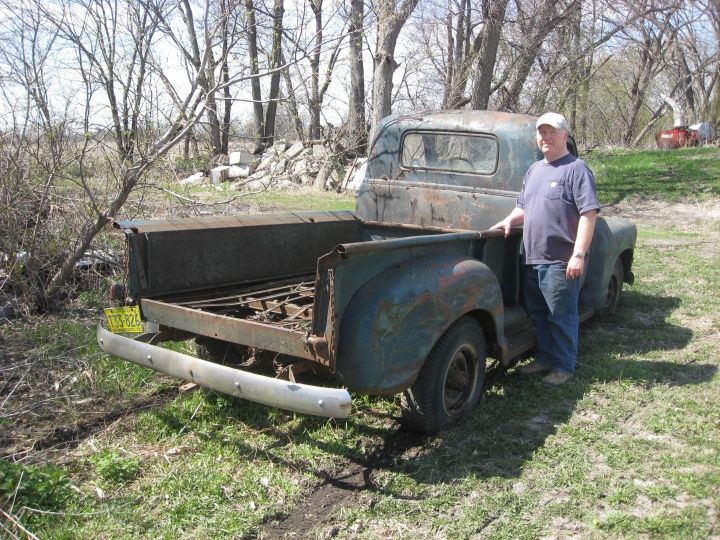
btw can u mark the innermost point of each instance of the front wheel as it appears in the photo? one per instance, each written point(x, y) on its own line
point(615, 286)
point(450, 382)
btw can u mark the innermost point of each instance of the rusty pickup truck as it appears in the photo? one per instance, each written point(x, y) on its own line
point(411, 293)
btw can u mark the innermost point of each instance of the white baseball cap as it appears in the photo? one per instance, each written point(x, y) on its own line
point(553, 119)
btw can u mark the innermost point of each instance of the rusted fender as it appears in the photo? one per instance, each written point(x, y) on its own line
point(614, 237)
point(395, 319)
point(303, 398)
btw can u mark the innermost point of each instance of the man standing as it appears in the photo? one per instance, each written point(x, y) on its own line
point(558, 208)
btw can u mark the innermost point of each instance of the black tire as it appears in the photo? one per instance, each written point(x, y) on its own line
point(450, 382)
point(222, 352)
point(614, 291)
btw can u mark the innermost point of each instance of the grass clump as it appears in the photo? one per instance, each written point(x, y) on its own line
point(115, 468)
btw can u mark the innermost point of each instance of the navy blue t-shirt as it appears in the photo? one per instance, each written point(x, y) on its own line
point(553, 196)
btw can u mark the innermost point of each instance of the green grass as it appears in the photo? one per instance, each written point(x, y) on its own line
point(630, 448)
point(286, 200)
point(687, 173)
point(304, 200)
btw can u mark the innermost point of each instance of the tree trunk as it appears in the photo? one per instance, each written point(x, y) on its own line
point(225, 74)
point(314, 104)
point(357, 128)
point(269, 131)
point(391, 19)
point(292, 101)
point(494, 16)
point(254, 72)
point(212, 109)
point(547, 16)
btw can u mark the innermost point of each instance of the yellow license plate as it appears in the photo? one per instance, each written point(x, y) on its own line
point(124, 320)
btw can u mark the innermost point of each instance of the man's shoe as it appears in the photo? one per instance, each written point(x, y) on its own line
point(533, 368)
point(556, 378)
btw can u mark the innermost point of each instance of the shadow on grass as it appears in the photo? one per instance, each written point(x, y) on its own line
point(512, 422)
point(519, 413)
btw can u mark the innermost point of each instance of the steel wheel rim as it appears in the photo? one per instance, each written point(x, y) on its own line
point(459, 381)
point(612, 292)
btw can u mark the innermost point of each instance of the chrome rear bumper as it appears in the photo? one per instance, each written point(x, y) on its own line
point(307, 399)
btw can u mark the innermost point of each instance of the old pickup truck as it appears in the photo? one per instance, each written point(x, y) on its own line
point(410, 293)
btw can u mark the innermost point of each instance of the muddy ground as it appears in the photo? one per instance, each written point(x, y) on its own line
point(34, 426)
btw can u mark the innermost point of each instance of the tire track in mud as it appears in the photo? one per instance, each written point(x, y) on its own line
point(341, 488)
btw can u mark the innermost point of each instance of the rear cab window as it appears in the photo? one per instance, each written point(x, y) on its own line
point(468, 153)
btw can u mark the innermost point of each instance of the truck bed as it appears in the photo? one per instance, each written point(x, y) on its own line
point(286, 303)
point(279, 283)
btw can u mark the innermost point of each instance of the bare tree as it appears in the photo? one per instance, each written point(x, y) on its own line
point(254, 60)
point(356, 125)
point(391, 18)
point(485, 51)
point(650, 40)
point(121, 79)
point(265, 117)
point(533, 28)
point(472, 58)
point(275, 64)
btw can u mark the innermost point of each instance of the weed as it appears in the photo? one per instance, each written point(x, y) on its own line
point(42, 488)
point(114, 468)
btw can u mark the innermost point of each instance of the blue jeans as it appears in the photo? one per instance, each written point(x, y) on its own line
point(552, 304)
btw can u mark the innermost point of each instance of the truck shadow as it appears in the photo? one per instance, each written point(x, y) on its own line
point(512, 422)
point(518, 413)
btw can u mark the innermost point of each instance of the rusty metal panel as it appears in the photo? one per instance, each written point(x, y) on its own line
point(185, 255)
point(393, 321)
point(250, 333)
point(428, 205)
point(450, 198)
point(344, 271)
point(221, 222)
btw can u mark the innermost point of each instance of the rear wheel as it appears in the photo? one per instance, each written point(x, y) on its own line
point(450, 382)
point(224, 352)
point(614, 291)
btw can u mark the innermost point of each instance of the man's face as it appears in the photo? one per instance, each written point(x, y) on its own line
point(552, 142)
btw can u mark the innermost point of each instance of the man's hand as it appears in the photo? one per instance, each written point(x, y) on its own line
point(575, 267)
point(516, 217)
point(504, 225)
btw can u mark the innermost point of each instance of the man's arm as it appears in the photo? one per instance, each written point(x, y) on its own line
point(584, 237)
point(516, 217)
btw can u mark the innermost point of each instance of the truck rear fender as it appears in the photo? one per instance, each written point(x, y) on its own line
point(614, 238)
point(393, 321)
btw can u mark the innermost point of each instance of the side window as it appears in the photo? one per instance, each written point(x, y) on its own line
point(571, 146)
point(455, 152)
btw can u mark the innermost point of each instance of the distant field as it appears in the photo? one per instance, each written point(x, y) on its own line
point(674, 175)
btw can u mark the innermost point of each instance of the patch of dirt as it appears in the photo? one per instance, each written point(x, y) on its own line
point(342, 488)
